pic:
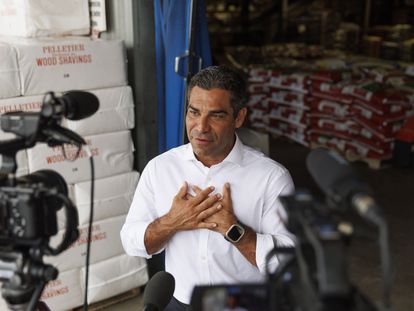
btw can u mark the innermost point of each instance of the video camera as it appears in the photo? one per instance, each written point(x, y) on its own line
point(29, 204)
point(312, 276)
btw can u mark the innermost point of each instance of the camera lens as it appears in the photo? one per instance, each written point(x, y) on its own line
point(49, 178)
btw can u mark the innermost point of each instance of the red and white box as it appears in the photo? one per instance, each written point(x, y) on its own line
point(9, 72)
point(115, 113)
point(65, 292)
point(73, 63)
point(115, 276)
point(106, 243)
point(33, 18)
point(112, 153)
point(113, 196)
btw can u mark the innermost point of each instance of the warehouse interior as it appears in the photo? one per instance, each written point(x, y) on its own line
point(321, 73)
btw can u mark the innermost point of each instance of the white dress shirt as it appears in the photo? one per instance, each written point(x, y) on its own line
point(202, 256)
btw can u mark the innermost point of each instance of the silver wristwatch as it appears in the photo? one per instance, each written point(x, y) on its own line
point(235, 233)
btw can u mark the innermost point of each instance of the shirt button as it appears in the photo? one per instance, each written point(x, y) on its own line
point(204, 258)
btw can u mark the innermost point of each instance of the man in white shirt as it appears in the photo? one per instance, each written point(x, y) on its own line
point(212, 204)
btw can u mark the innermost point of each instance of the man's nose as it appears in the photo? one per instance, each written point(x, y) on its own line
point(202, 124)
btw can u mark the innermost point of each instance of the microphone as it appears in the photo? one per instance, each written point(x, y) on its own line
point(341, 183)
point(74, 105)
point(58, 135)
point(159, 291)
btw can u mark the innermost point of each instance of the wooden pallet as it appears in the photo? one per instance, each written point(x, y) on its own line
point(113, 300)
point(351, 157)
point(371, 162)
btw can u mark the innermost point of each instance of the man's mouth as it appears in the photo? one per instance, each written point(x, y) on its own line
point(202, 140)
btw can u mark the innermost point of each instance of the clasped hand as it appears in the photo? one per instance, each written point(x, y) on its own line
point(202, 210)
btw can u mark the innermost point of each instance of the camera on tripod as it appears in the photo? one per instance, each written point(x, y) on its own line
point(313, 275)
point(29, 204)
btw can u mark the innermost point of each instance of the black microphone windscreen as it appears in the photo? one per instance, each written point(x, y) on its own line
point(79, 104)
point(159, 290)
point(333, 174)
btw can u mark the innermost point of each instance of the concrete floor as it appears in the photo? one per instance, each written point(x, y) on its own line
point(394, 189)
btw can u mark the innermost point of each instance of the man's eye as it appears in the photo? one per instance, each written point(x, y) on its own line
point(193, 112)
point(219, 115)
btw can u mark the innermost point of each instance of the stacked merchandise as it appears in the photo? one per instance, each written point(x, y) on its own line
point(331, 123)
point(30, 67)
point(356, 112)
point(258, 93)
point(288, 105)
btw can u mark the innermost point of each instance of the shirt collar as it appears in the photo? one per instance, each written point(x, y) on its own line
point(235, 156)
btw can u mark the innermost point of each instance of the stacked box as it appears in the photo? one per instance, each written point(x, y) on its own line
point(32, 18)
point(36, 64)
point(9, 72)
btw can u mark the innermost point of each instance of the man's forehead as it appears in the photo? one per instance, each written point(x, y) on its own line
point(211, 99)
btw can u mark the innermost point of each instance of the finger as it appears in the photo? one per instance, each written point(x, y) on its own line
point(208, 202)
point(209, 212)
point(226, 192)
point(196, 189)
point(207, 225)
point(200, 197)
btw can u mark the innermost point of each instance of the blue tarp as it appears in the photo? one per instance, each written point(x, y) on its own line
point(172, 20)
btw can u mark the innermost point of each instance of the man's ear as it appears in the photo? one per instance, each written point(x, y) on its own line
point(240, 117)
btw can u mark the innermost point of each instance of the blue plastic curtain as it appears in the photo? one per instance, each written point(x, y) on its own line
point(172, 21)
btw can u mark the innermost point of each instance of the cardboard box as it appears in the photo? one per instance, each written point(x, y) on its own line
point(9, 72)
point(113, 196)
point(112, 154)
point(65, 292)
point(106, 243)
point(115, 276)
point(33, 18)
point(116, 113)
point(73, 63)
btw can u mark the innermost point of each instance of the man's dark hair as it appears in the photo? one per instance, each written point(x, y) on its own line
point(225, 78)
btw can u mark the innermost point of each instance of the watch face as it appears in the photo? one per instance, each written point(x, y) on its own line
point(235, 233)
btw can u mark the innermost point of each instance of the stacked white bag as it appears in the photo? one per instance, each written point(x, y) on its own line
point(35, 64)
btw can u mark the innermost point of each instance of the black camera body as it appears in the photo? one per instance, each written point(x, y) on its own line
point(28, 209)
point(29, 204)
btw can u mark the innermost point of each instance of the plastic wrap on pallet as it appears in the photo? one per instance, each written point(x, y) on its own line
point(32, 18)
point(65, 292)
point(113, 197)
point(112, 152)
point(114, 276)
point(115, 113)
point(105, 243)
point(9, 72)
point(69, 63)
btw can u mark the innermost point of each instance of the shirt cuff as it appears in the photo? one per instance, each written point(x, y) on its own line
point(132, 236)
point(264, 244)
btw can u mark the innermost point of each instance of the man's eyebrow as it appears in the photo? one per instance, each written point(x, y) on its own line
point(193, 108)
point(218, 111)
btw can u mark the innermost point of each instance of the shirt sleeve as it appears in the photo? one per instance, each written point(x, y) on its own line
point(273, 231)
point(141, 213)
